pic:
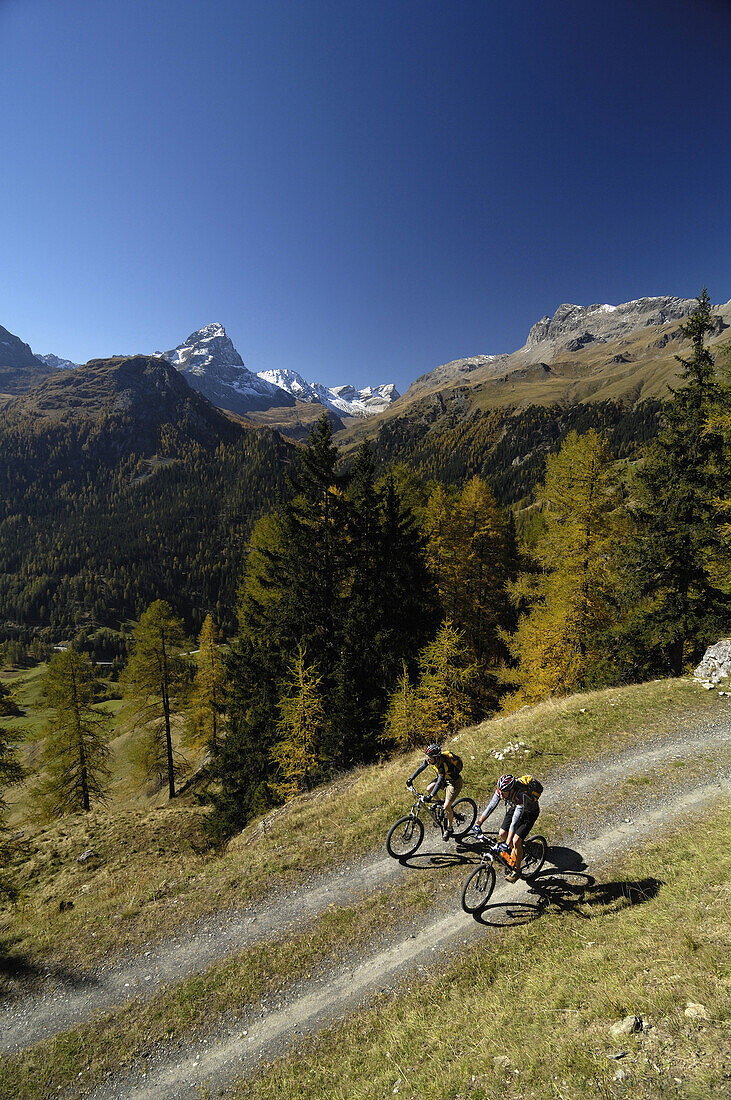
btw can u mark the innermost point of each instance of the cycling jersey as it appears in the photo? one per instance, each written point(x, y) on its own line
point(447, 773)
point(520, 804)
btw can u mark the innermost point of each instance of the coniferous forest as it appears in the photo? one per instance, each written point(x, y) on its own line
point(368, 605)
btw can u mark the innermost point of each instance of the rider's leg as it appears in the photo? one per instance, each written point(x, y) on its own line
point(518, 850)
point(450, 794)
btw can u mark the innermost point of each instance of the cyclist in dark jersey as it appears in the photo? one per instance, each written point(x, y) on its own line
point(447, 776)
point(521, 814)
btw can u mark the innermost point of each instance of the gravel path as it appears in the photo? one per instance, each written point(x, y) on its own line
point(219, 1061)
point(62, 1005)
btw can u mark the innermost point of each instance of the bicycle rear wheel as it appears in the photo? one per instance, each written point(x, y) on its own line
point(534, 856)
point(478, 888)
point(465, 812)
point(405, 837)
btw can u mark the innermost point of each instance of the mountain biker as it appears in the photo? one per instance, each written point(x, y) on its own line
point(447, 766)
point(521, 814)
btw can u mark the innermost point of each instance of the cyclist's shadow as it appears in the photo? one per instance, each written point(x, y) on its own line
point(428, 861)
point(569, 887)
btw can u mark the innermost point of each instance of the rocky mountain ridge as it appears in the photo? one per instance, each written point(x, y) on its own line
point(20, 369)
point(575, 339)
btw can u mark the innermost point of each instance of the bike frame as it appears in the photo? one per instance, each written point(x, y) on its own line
point(433, 806)
point(492, 854)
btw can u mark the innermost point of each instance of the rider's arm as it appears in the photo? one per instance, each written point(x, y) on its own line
point(437, 784)
point(517, 814)
point(491, 805)
point(418, 771)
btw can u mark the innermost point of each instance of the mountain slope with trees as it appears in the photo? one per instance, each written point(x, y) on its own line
point(121, 485)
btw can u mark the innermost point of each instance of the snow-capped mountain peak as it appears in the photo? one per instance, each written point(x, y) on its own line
point(213, 366)
point(208, 347)
point(56, 362)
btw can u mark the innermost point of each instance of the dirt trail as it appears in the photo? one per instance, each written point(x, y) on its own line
point(224, 1056)
point(65, 1004)
point(228, 1056)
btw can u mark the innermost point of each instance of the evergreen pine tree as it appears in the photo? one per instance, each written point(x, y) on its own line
point(363, 672)
point(683, 556)
point(156, 676)
point(241, 770)
point(76, 752)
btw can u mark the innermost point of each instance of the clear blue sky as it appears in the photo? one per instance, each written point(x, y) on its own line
point(357, 190)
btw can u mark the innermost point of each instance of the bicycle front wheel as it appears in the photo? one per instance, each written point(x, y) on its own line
point(465, 812)
point(405, 837)
point(478, 888)
point(534, 856)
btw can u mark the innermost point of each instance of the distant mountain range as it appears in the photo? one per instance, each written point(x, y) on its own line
point(583, 353)
point(211, 365)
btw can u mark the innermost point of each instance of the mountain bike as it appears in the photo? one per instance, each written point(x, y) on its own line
point(407, 834)
point(480, 884)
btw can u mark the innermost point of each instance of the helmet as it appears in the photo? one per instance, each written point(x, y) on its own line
point(506, 783)
point(433, 750)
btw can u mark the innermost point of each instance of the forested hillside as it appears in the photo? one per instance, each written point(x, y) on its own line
point(119, 485)
point(449, 441)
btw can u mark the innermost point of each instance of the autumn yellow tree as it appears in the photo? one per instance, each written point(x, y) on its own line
point(466, 552)
point(156, 676)
point(208, 697)
point(402, 725)
point(300, 729)
point(76, 751)
point(556, 643)
point(448, 684)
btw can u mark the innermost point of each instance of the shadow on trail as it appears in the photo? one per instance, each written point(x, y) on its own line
point(569, 887)
point(20, 975)
point(428, 861)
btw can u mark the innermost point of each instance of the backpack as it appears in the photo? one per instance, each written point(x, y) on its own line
point(454, 760)
point(534, 787)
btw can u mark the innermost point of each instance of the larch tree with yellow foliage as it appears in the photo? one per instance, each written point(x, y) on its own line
point(556, 643)
point(300, 728)
point(208, 698)
point(448, 682)
point(467, 554)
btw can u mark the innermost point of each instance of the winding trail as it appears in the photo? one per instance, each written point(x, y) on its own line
point(217, 1061)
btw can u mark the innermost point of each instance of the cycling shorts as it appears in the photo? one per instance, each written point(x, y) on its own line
point(527, 820)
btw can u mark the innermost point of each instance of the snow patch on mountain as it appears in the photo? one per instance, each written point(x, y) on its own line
point(56, 362)
point(344, 400)
point(213, 366)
